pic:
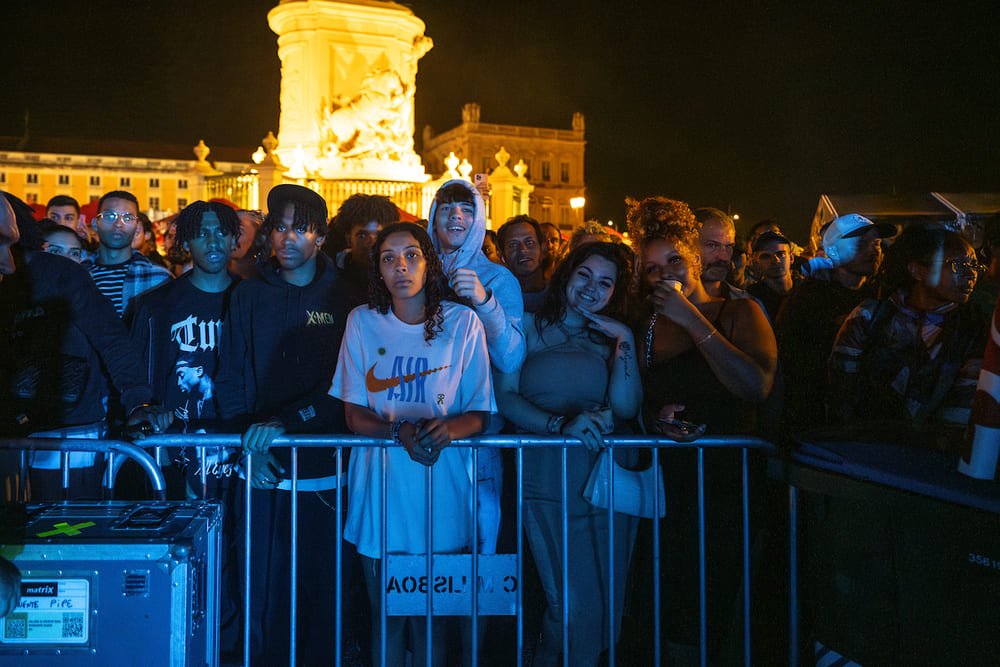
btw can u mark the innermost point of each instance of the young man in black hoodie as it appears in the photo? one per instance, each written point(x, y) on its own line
point(279, 352)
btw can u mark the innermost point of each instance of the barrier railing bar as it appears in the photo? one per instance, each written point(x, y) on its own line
point(385, 551)
point(293, 614)
point(429, 560)
point(746, 561)
point(338, 640)
point(793, 577)
point(151, 467)
point(67, 445)
point(519, 458)
point(611, 556)
point(510, 441)
point(564, 559)
point(246, 560)
point(656, 563)
point(702, 592)
point(475, 557)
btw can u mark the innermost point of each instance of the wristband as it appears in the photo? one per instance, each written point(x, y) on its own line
point(394, 431)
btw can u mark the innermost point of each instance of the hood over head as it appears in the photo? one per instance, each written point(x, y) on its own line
point(472, 248)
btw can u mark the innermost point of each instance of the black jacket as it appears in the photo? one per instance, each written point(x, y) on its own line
point(279, 351)
point(62, 341)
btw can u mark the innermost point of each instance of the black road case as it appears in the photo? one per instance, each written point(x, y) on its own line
point(115, 583)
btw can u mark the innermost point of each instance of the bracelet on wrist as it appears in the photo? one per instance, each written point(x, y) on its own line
point(554, 424)
point(705, 338)
point(394, 431)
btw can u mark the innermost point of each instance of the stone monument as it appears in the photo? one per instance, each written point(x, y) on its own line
point(348, 77)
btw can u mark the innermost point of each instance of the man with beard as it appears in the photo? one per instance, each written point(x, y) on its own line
point(121, 274)
point(717, 242)
point(772, 255)
point(520, 244)
point(813, 312)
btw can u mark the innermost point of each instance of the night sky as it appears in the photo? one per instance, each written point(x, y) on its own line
point(757, 107)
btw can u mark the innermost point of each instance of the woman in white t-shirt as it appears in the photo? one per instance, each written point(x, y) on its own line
point(414, 368)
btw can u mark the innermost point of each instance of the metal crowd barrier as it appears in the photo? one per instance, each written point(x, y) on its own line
point(113, 449)
point(200, 442)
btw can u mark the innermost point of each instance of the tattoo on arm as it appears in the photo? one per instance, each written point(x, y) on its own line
point(626, 355)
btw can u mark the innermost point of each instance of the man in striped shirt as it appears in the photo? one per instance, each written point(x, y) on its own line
point(120, 273)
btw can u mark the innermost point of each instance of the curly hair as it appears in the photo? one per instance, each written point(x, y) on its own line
point(660, 218)
point(916, 243)
point(435, 288)
point(553, 307)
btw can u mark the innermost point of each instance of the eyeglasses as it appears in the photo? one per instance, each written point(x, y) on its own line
point(110, 217)
point(960, 266)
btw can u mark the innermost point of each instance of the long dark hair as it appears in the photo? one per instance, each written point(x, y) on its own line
point(918, 242)
point(554, 305)
point(435, 284)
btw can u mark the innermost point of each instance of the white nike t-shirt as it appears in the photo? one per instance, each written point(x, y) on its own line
point(387, 366)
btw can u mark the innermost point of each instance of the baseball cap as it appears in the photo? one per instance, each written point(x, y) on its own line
point(289, 193)
point(769, 237)
point(852, 225)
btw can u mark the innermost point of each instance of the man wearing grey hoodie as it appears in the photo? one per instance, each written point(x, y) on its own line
point(457, 225)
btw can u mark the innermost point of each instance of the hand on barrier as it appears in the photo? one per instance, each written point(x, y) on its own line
point(265, 471)
point(258, 437)
point(588, 427)
point(149, 420)
point(677, 430)
point(424, 440)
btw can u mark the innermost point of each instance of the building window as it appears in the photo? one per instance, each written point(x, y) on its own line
point(546, 214)
point(3, 176)
point(564, 172)
point(546, 173)
point(31, 178)
point(154, 182)
point(182, 184)
point(182, 202)
point(154, 203)
point(95, 181)
point(125, 182)
point(63, 179)
point(31, 197)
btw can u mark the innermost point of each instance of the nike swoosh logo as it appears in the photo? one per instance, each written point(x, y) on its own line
point(376, 384)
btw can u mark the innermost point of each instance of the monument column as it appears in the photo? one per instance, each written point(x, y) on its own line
point(348, 77)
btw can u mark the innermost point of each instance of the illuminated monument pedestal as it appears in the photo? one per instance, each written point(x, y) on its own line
point(348, 77)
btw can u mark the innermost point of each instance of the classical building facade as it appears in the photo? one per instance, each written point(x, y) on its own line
point(553, 160)
point(163, 177)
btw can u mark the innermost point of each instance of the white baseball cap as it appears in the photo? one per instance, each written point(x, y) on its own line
point(853, 225)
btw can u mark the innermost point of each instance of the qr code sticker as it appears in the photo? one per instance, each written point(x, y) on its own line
point(72, 625)
point(16, 628)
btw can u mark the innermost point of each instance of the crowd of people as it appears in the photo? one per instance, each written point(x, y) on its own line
point(426, 333)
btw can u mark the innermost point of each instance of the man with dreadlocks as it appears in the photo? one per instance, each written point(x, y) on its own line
point(279, 351)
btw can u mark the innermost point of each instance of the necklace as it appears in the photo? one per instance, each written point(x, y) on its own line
point(649, 339)
point(573, 333)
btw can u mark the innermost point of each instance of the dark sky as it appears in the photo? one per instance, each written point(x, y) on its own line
point(760, 107)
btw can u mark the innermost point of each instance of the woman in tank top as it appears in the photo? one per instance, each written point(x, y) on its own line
point(580, 376)
point(712, 360)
